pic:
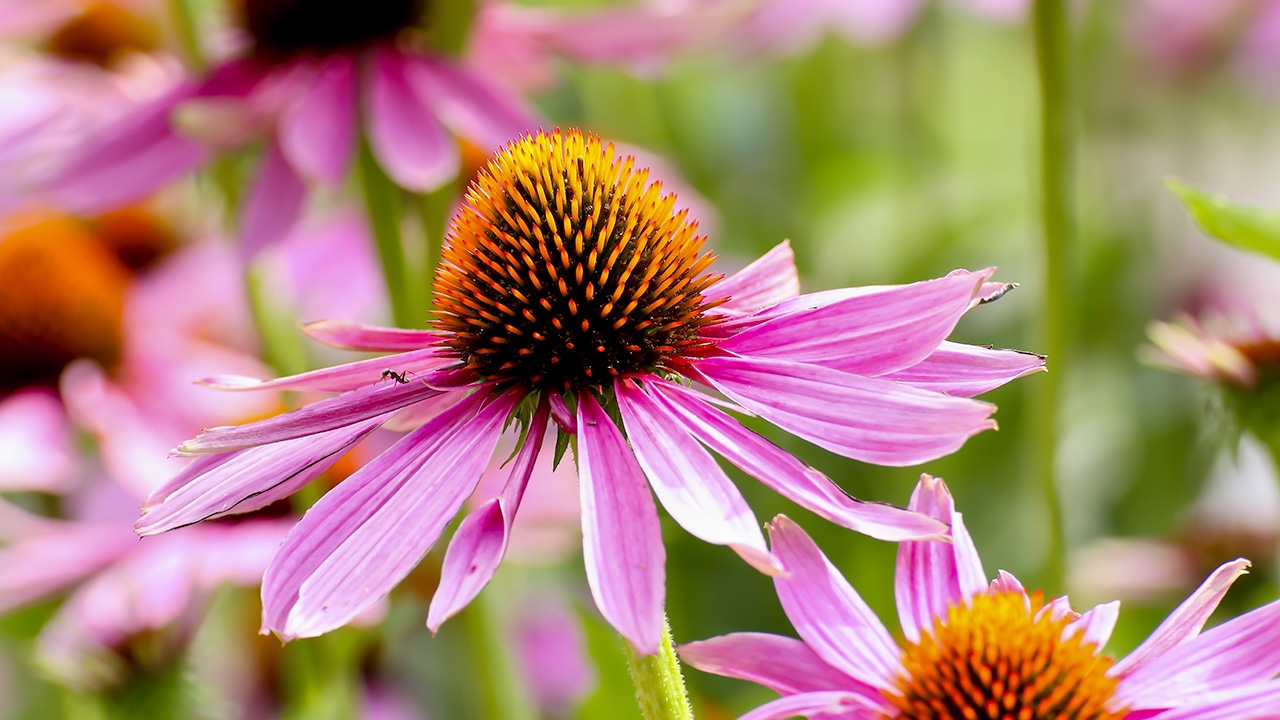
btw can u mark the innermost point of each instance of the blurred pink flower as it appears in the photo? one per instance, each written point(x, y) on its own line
point(1235, 349)
point(37, 450)
point(864, 372)
point(316, 76)
point(1183, 37)
point(551, 651)
point(971, 646)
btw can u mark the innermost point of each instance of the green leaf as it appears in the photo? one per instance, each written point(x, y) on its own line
point(1244, 227)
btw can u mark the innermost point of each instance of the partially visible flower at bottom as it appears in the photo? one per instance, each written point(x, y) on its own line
point(977, 650)
point(572, 290)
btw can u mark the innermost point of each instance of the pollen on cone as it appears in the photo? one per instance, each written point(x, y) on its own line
point(566, 268)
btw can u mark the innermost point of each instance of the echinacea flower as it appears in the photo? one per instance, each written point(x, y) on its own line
point(978, 650)
point(316, 75)
point(570, 289)
point(1240, 349)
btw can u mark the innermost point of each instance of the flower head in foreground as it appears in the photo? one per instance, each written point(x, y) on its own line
point(979, 650)
point(571, 290)
point(315, 74)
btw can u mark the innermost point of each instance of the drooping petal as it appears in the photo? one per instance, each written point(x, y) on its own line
point(967, 370)
point(410, 144)
point(475, 108)
point(129, 158)
point(621, 537)
point(764, 283)
point(868, 419)
point(870, 333)
point(828, 704)
point(364, 536)
point(352, 335)
point(784, 665)
point(1236, 654)
point(834, 621)
point(246, 480)
point(274, 203)
point(481, 540)
point(318, 131)
point(689, 483)
point(1185, 622)
point(328, 414)
point(969, 572)
point(783, 472)
point(411, 366)
point(1096, 624)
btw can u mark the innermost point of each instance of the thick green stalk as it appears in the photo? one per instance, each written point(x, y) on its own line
point(448, 24)
point(382, 202)
point(1057, 156)
point(504, 697)
point(659, 684)
point(184, 21)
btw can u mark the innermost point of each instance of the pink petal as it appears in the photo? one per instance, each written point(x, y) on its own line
point(1006, 582)
point(830, 704)
point(36, 443)
point(274, 203)
point(129, 158)
point(413, 365)
point(1096, 624)
point(237, 553)
point(473, 107)
point(416, 152)
point(783, 472)
point(967, 370)
point(481, 540)
point(1185, 622)
point(927, 582)
point(1252, 703)
point(764, 283)
point(355, 544)
point(860, 331)
point(834, 621)
point(328, 414)
point(1236, 654)
point(317, 133)
point(352, 335)
point(565, 418)
point(40, 566)
point(621, 537)
point(782, 664)
point(243, 481)
point(689, 483)
point(868, 419)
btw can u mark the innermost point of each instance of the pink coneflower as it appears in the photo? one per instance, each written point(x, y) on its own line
point(1236, 348)
point(975, 650)
point(316, 75)
point(571, 290)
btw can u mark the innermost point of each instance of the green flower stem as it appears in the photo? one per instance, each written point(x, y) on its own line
point(282, 345)
point(433, 212)
point(1057, 155)
point(448, 25)
point(659, 684)
point(504, 696)
point(382, 201)
point(184, 21)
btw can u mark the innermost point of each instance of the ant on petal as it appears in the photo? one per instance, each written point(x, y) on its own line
point(399, 377)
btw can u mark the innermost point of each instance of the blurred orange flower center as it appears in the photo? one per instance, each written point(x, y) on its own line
point(566, 268)
point(61, 298)
point(101, 33)
point(999, 657)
